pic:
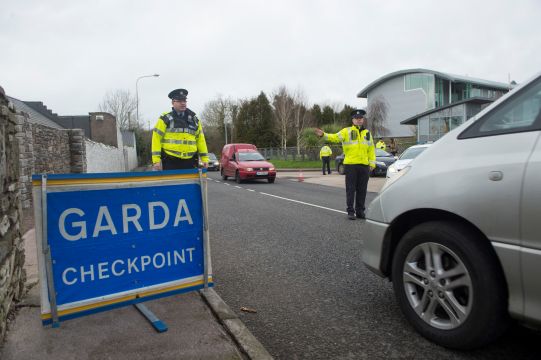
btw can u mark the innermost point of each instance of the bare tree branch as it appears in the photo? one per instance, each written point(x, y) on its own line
point(122, 105)
point(283, 112)
point(376, 114)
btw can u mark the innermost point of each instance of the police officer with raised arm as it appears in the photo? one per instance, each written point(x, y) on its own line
point(178, 141)
point(359, 160)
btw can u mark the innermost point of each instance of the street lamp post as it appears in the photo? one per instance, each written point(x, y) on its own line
point(137, 94)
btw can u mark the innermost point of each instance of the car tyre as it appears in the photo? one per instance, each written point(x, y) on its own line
point(224, 177)
point(341, 169)
point(237, 178)
point(449, 285)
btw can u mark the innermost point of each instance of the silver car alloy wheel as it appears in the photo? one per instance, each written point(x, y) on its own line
point(438, 285)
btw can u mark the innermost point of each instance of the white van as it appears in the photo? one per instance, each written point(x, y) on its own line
point(458, 231)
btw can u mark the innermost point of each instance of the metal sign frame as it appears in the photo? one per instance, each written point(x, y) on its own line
point(44, 185)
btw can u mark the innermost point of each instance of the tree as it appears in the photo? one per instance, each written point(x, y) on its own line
point(283, 113)
point(344, 117)
point(376, 114)
point(122, 105)
point(327, 115)
point(300, 117)
point(316, 114)
point(217, 116)
point(254, 122)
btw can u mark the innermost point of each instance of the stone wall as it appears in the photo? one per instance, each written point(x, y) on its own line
point(12, 275)
point(51, 150)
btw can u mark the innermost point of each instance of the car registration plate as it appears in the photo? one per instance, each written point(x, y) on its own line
point(262, 173)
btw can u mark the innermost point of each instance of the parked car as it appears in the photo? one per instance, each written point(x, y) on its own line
point(244, 162)
point(383, 160)
point(457, 230)
point(214, 164)
point(405, 158)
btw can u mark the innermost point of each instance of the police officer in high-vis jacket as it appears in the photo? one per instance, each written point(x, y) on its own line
point(359, 160)
point(178, 141)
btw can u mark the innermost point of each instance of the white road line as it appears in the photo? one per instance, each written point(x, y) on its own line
point(250, 189)
point(227, 184)
point(238, 187)
point(304, 203)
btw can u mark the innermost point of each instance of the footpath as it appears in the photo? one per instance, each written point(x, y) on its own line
point(200, 324)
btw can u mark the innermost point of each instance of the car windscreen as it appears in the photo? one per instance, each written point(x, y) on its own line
point(250, 156)
point(212, 156)
point(412, 153)
point(380, 152)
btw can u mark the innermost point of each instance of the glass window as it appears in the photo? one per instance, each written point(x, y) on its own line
point(250, 156)
point(424, 82)
point(521, 112)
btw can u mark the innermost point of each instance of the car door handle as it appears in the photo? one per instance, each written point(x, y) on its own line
point(495, 175)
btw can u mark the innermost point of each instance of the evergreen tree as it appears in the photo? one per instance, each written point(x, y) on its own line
point(327, 115)
point(254, 122)
point(316, 114)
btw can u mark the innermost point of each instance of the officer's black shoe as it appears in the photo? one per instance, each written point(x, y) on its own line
point(351, 216)
point(361, 215)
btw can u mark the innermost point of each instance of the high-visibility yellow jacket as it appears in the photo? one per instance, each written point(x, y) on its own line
point(357, 144)
point(381, 145)
point(179, 136)
point(325, 151)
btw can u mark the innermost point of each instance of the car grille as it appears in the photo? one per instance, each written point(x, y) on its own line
point(260, 169)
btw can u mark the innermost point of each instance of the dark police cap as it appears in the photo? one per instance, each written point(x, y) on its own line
point(358, 113)
point(178, 94)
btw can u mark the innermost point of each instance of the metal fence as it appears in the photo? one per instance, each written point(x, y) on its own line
point(295, 153)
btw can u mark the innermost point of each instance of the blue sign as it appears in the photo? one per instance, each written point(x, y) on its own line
point(111, 244)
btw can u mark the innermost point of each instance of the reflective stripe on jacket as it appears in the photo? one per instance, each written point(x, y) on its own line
point(325, 151)
point(358, 145)
point(181, 137)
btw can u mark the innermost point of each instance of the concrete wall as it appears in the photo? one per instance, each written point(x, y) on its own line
point(103, 158)
point(402, 104)
point(12, 274)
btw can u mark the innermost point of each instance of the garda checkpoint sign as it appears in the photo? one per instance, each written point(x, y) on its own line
point(112, 239)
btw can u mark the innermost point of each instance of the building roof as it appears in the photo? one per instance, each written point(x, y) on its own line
point(474, 100)
point(34, 116)
point(453, 78)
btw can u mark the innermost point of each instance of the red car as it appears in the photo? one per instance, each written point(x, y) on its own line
point(244, 162)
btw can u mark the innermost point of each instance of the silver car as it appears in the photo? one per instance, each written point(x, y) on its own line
point(461, 238)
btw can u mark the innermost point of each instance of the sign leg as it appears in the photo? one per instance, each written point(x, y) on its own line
point(153, 319)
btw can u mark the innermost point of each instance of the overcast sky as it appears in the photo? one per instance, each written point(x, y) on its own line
point(68, 54)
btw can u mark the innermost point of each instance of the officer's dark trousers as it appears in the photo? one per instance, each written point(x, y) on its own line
point(174, 163)
point(326, 161)
point(356, 184)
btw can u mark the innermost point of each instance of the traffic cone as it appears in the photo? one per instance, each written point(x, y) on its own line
point(301, 176)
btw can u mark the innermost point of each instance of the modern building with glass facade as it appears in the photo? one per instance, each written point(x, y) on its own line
point(446, 100)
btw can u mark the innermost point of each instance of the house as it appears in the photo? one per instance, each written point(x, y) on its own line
point(444, 100)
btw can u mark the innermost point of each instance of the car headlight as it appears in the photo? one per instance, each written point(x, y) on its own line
point(392, 169)
point(216, 163)
point(393, 179)
point(271, 169)
point(380, 163)
point(249, 169)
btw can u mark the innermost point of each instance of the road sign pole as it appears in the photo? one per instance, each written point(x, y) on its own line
point(47, 253)
point(206, 244)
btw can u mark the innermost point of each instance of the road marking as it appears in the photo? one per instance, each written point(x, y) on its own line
point(238, 187)
point(250, 189)
point(304, 203)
